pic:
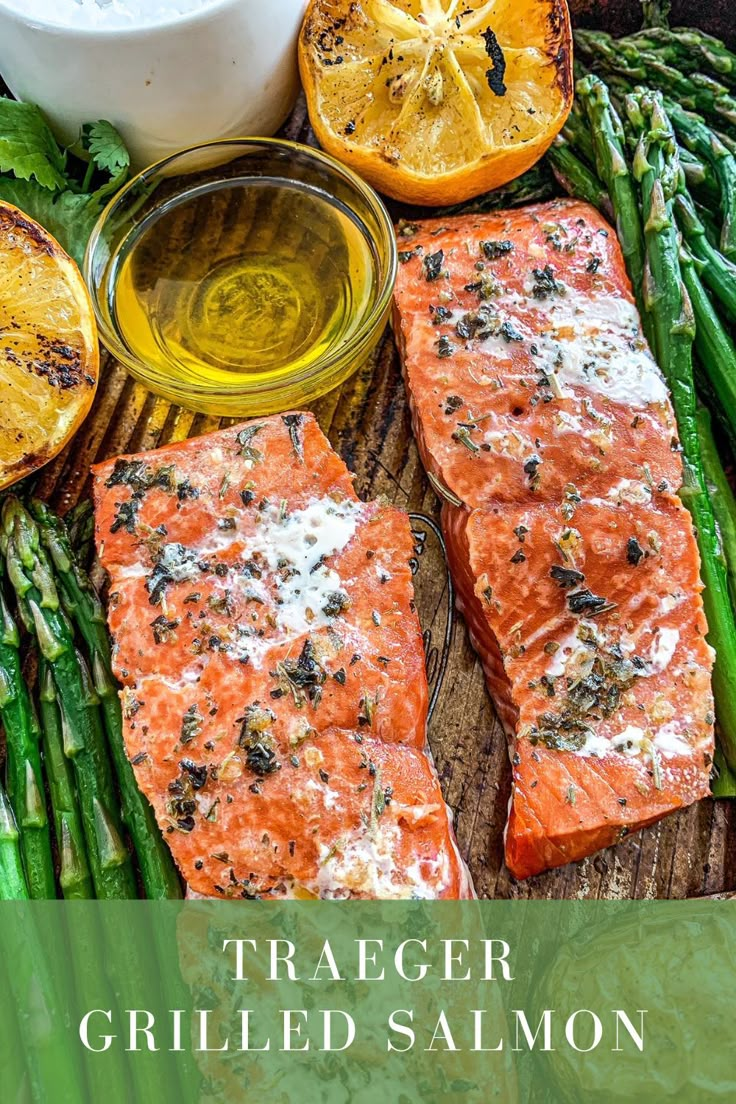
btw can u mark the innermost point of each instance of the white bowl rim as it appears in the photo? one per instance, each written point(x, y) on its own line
point(165, 22)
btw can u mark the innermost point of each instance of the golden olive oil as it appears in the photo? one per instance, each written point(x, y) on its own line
point(255, 278)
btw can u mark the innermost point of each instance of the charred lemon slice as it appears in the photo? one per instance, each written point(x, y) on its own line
point(49, 357)
point(435, 101)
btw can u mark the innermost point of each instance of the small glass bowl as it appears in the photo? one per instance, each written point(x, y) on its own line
point(219, 165)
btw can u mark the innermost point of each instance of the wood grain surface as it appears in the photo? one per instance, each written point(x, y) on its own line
point(688, 854)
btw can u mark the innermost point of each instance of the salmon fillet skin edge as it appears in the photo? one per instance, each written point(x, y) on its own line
point(274, 688)
point(545, 424)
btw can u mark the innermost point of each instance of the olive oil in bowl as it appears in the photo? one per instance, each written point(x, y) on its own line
point(236, 291)
point(256, 278)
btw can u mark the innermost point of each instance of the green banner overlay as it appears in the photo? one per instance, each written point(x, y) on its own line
point(366, 1001)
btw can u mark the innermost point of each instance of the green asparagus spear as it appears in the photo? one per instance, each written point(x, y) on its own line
point(25, 778)
point(689, 50)
point(613, 170)
point(30, 574)
point(721, 496)
point(13, 886)
point(16, 1084)
point(723, 779)
point(36, 977)
point(74, 875)
point(80, 523)
point(158, 872)
point(708, 96)
point(662, 42)
point(716, 351)
point(79, 597)
point(713, 144)
point(699, 178)
point(711, 50)
point(160, 878)
point(576, 178)
point(727, 138)
point(718, 273)
point(666, 299)
point(694, 91)
point(710, 225)
point(656, 13)
point(577, 133)
point(692, 131)
point(608, 54)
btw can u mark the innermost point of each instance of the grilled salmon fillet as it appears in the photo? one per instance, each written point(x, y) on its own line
point(524, 357)
point(597, 658)
point(544, 421)
point(274, 691)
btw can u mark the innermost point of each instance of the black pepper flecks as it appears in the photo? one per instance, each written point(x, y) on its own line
point(432, 264)
point(566, 577)
point(439, 314)
point(163, 628)
point(256, 740)
point(509, 333)
point(491, 250)
point(191, 724)
point(197, 773)
point(305, 675)
point(126, 514)
point(174, 562)
point(531, 468)
point(293, 423)
point(246, 447)
point(634, 552)
point(545, 283)
point(335, 603)
point(584, 601)
point(480, 323)
point(445, 347)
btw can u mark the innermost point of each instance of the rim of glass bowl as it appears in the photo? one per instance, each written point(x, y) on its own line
point(319, 370)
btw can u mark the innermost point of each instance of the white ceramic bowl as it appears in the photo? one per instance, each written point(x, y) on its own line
point(225, 70)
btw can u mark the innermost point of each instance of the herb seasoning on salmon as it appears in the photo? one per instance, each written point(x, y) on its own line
point(274, 686)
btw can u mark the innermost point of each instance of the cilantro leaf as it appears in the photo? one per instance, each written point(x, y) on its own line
point(68, 215)
point(61, 189)
point(28, 149)
point(106, 148)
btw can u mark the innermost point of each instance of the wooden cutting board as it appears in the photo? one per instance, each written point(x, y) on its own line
point(367, 421)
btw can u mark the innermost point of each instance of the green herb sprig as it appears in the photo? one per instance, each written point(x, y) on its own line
point(64, 189)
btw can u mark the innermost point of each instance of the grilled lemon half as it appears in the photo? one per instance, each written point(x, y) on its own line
point(435, 101)
point(49, 356)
